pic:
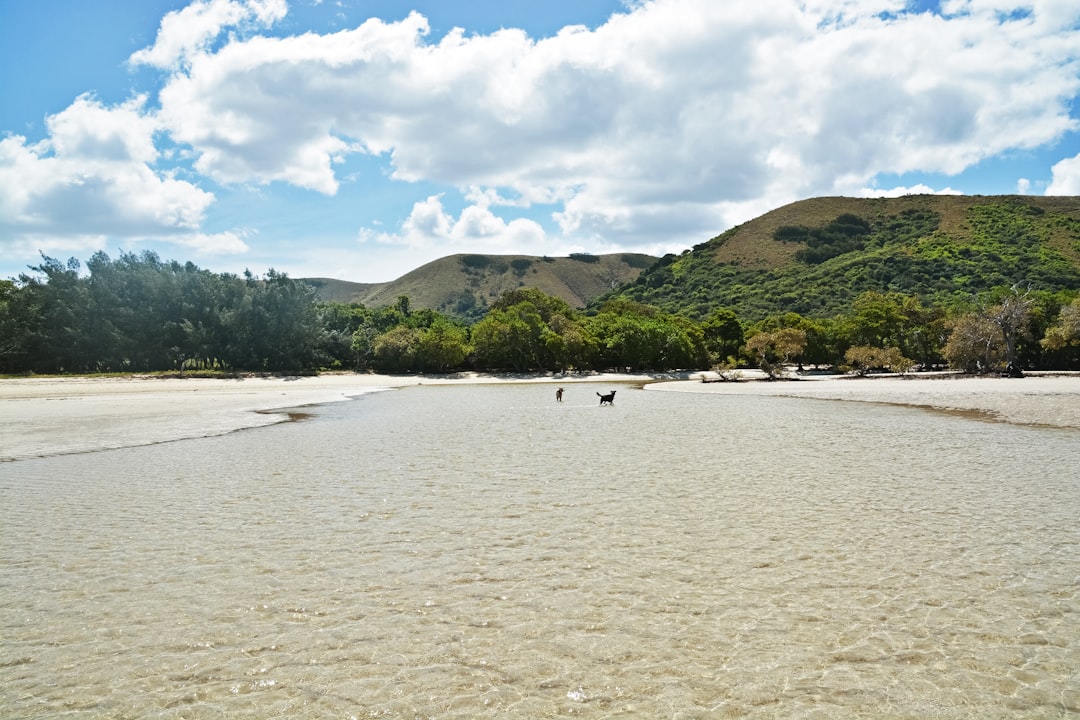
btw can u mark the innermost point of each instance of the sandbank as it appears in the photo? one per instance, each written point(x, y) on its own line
point(1039, 399)
point(60, 415)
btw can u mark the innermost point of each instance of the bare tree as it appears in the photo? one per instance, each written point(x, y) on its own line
point(974, 343)
point(1013, 318)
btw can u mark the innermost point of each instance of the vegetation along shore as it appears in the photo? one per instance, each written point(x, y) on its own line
point(982, 285)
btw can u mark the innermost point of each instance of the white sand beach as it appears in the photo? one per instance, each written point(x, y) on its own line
point(59, 415)
point(1048, 399)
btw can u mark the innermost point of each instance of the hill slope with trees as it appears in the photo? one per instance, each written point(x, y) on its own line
point(814, 257)
point(465, 286)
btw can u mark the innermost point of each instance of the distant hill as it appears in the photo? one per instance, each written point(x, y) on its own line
point(815, 256)
point(465, 285)
point(343, 291)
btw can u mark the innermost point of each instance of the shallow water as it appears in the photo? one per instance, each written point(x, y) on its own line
point(482, 551)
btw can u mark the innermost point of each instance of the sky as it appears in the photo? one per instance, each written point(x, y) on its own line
point(361, 139)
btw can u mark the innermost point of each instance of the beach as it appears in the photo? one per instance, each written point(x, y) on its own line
point(61, 415)
point(1038, 399)
point(880, 547)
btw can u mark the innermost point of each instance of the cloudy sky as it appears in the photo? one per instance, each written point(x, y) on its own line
point(359, 139)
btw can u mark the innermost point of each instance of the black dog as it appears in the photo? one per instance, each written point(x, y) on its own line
point(608, 399)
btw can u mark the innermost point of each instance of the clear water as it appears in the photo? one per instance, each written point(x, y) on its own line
point(481, 551)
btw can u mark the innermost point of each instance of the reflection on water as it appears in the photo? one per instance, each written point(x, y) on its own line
point(483, 551)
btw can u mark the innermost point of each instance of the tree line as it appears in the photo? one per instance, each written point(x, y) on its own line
point(141, 314)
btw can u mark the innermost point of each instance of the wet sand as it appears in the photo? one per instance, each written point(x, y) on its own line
point(60, 415)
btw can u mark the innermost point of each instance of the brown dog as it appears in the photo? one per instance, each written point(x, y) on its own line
point(558, 395)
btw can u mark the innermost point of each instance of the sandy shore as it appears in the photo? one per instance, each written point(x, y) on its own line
point(50, 416)
point(1051, 399)
point(61, 415)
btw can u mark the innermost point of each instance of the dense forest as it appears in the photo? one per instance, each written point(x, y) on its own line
point(141, 314)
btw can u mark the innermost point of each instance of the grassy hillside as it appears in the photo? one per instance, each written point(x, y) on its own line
point(465, 285)
point(815, 256)
point(343, 291)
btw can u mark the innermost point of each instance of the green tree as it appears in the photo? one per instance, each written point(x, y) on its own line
point(1065, 332)
point(511, 338)
point(57, 311)
point(547, 306)
point(527, 329)
point(641, 337)
point(272, 324)
point(397, 350)
point(12, 327)
point(138, 321)
point(924, 332)
point(205, 299)
point(442, 346)
point(569, 343)
point(878, 319)
point(723, 335)
point(339, 323)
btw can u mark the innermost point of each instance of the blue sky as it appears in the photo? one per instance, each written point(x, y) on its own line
point(359, 139)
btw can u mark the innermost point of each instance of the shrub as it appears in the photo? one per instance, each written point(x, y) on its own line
point(864, 359)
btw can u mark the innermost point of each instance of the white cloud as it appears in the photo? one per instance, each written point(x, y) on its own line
point(1066, 177)
point(433, 232)
point(902, 191)
point(89, 130)
point(669, 123)
point(28, 247)
point(185, 33)
point(664, 122)
point(223, 243)
point(92, 179)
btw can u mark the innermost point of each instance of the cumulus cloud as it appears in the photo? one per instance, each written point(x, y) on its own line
point(429, 226)
point(902, 191)
point(668, 123)
point(1066, 176)
point(223, 243)
point(91, 179)
point(184, 33)
point(670, 118)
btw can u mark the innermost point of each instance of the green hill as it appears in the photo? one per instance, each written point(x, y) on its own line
point(815, 256)
point(465, 285)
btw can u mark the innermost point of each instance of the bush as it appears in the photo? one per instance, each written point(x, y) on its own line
point(864, 359)
point(475, 261)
